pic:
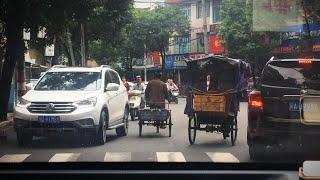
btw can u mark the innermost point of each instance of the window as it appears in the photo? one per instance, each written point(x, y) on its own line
point(200, 42)
point(70, 81)
point(292, 74)
point(199, 10)
point(216, 11)
point(181, 44)
point(186, 9)
point(114, 77)
point(107, 79)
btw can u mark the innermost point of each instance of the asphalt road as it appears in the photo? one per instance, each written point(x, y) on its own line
point(154, 147)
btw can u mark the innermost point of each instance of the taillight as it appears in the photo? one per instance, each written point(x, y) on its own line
point(255, 100)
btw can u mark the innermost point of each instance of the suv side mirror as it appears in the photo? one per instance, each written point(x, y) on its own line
point(112, 87)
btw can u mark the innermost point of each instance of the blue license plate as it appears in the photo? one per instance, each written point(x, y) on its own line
point(49, 119)
point(294, 106)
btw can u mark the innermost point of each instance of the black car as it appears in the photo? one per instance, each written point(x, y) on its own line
point(279, 109)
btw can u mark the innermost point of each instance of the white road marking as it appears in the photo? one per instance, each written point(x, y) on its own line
point(170, 157)
point(222, 157)
point(64, 157)
point(14, 158)
point(117, 157)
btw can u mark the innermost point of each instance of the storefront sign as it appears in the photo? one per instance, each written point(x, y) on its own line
point(283, 50)
point(316, 48)
point(213, 29)
point(215, 45)
point(49, 50)
point(176, 61)
point(155, 57)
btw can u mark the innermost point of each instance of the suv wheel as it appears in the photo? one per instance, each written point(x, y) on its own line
point(23, 138)
point(123, 130)
point(101, 137)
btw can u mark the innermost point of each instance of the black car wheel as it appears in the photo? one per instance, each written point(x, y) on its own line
point(101, 137)
point(123, 130)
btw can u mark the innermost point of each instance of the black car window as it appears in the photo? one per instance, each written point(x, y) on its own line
point(107, 79)
point(114, 77)
point(292, 74)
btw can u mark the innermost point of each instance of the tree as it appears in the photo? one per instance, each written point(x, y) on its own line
point(238, 36)
point(62, 20)
point(150, 30)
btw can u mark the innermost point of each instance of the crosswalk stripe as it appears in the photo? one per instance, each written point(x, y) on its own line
point(14, 158)
point(222, 157)
point(117, 157)
point(170, 157)
point(64, 157)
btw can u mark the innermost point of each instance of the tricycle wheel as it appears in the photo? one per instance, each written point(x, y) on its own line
point(140, 128)
point(234, 130)
point(192, 131)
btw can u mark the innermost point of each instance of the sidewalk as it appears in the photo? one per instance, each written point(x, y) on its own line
point(5, 125)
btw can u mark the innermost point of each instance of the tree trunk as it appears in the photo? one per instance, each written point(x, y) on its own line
point(14, 49)
point(70, 49)
point(1, 59)
point(21, 79)
point(163, 63)
point(82, 45)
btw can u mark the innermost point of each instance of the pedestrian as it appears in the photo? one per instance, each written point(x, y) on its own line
point(141, 87)
point(125, 83)
point(171, 85)
point(156, 92)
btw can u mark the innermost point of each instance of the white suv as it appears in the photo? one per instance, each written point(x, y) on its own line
point(73, 100)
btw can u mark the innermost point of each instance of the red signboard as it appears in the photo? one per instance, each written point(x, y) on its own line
point(155, 57)
point(215, 45)
point(316, 48)
point(283, 50)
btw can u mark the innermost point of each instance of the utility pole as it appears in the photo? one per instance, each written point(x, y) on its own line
point(145, 62)
point(204, 27)
point(82, 45)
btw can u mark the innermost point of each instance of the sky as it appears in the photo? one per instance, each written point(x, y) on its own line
point(145, 3)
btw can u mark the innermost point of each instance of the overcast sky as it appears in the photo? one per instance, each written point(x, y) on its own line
point(145, 3)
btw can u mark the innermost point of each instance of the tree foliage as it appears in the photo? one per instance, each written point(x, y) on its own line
point(238, 36)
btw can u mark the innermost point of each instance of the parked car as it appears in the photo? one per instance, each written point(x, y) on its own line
point(73, 101)
point(288, 92)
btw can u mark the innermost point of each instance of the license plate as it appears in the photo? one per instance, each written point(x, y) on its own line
point(49, 119)
point(294, 106)
point(311, 110)
point(131, 104)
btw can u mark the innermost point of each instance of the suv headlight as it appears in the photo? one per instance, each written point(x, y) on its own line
point(22, 102)
point(87, 102)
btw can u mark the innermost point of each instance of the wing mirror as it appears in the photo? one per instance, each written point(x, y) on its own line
point(112, 87)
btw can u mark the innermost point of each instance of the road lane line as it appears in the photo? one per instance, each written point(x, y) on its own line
point(64, 157)
point(14, 158)
point(117, 157)
point(222, 157)
point(170, 157)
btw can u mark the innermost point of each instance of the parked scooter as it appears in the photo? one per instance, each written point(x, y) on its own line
point(173, 95)
point(134, 103)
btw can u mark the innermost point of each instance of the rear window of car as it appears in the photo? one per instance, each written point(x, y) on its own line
point(294, 74)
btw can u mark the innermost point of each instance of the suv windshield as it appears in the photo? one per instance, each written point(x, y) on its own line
point(70, 81)
point(293, 74)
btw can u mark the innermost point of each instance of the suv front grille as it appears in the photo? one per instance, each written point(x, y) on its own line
point(51, 107)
